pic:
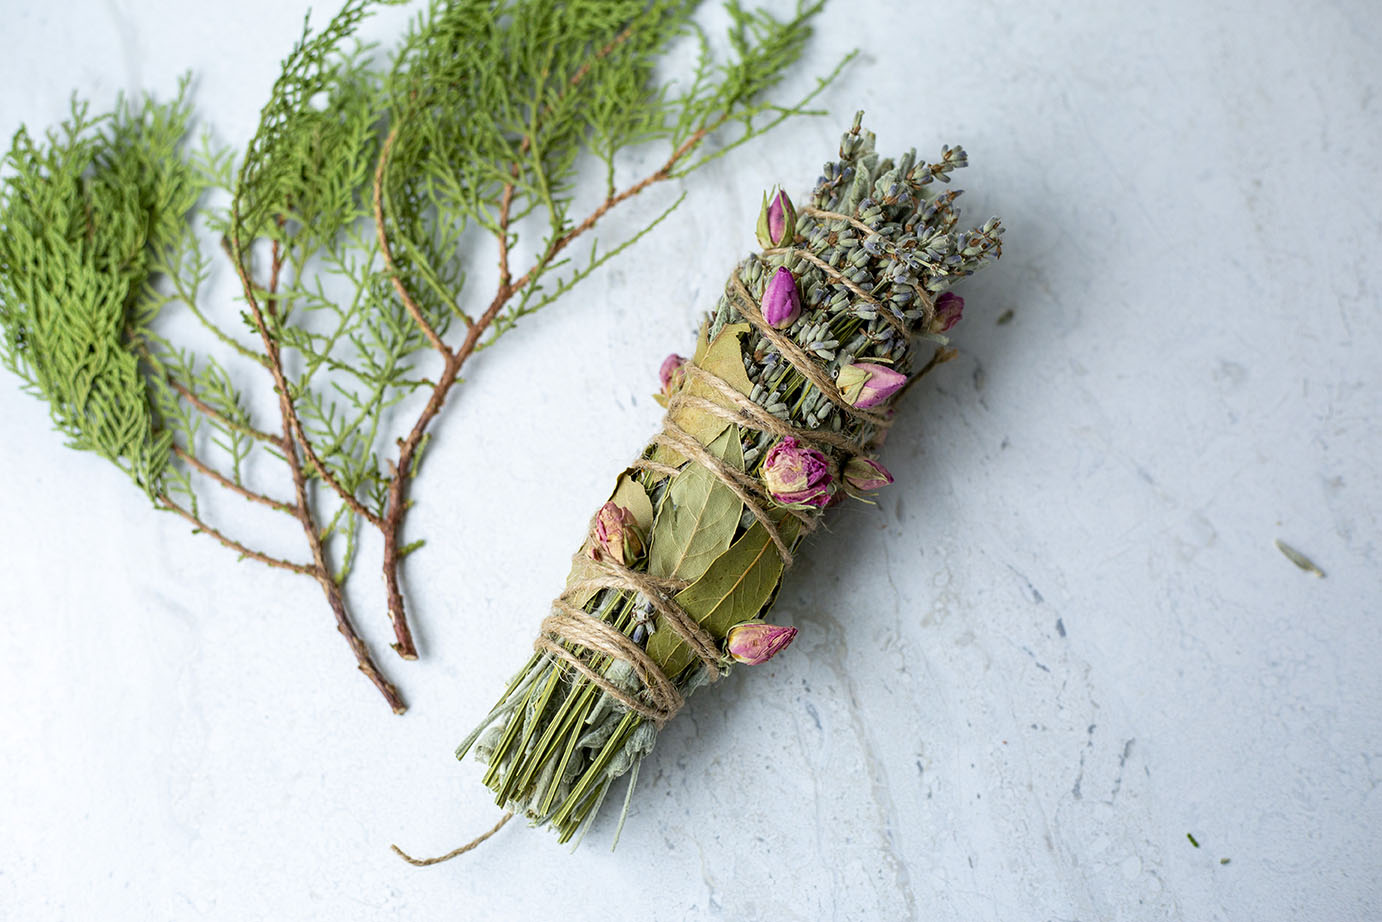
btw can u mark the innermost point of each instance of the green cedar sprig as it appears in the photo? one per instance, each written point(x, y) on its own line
point(352, 215)
point(90, 211)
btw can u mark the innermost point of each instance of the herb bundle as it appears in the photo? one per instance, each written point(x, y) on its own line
point(350, 222)
point(777, 416)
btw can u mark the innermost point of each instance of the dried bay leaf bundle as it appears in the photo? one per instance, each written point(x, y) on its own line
point(777, 416)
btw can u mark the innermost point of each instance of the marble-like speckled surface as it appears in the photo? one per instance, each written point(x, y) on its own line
point(1060, 643)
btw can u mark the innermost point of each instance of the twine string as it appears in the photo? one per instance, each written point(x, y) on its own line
point(425, 862)
point(805, 365)
point(928, 302)
point(569, 625)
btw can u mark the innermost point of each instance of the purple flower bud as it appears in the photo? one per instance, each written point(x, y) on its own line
point(797, 476)
point(949, 307)
point(754, 642)
point(671, 373)
point(777, 220)
point(866, 475)
point(781, 303)
point(616, 536)
point(865, 384)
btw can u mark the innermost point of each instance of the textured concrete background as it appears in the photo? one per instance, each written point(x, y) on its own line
point(1061, 642)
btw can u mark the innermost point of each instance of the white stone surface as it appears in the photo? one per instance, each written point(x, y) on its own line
point(1061, 642)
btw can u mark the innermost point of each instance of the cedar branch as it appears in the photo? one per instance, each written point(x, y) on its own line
point(271, 350)
point(292, 438)
point(321, 570)
point(229, 484)
point(396, 504)
point(212, 413)
point(167, 502)
point(413, 310)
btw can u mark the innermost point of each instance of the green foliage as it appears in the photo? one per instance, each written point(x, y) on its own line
point(512, 95)
point(368, 191)
point(86, 214)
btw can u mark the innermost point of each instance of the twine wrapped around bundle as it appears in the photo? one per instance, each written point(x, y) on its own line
point(776, 417)
point(570, 628)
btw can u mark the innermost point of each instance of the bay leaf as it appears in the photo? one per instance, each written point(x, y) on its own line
point(724, 358)
point(735, 588)
point(698, 516)
point(702, 341)
point(630, 494)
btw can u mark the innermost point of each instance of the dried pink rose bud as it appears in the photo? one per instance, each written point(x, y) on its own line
point(616, 536)
point(781, 303)
point(777, 220)
point(754, 642)
point(949, 307)
point(865, 384)
point(796, 475)
point(671, 373)
point(864, 475)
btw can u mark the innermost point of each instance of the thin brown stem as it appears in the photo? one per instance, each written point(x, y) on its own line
point(505, 204)
point(293, 438)
point(212, 413)
point(229, 484)
point(662, 173)
point(281, 383)
point(396, 505)
point(167, 503)
point(364, 659)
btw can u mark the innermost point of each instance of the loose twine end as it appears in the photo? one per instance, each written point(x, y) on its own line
point(426, 862)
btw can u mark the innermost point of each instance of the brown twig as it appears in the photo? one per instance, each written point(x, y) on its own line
point(229, 484)
point(662, 173)
point(322, 571)
point(396, 505)
point(277, 563)
point(234, 250)
point(289, 443)
point(211, 412)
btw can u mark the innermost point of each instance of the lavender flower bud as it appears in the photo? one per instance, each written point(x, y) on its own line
point(795, 475)
point(777, 220)
point(754, 642)
point(616, 536)
point(781, 303)
point(864, 475)
point(949, 307)
point(865, 384)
